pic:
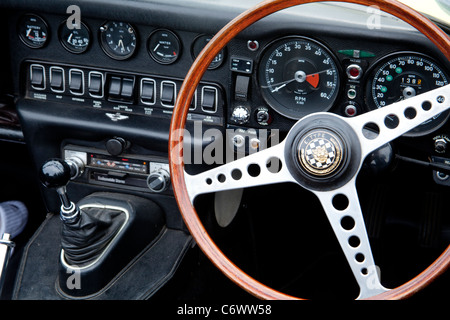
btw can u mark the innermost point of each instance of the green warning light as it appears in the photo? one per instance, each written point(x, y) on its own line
point(357, 53)
point(384, 89)
point(389, 78)
point(399, 70)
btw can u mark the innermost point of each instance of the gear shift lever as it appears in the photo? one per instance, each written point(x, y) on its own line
point(101, 233)
point(87, 232)
point(56, 173)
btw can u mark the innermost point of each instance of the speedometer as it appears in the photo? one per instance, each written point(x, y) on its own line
point(403, 76)
point(298, 76)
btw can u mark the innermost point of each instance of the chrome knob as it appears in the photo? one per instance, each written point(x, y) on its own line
point(440, 145)
point(158, 181)
point(240, 115)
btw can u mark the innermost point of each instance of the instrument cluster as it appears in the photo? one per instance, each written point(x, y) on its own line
point(119, 40)
point(294, 75)
point(298, 76)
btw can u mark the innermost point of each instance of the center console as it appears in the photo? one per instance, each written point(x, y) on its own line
point(112, 118)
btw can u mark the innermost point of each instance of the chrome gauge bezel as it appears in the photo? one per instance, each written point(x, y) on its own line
point(199, 43)
point(106, 46)
point(70, 47)
point(378, 67)
point(41, 25)
point(287, 110)
point(158, 54)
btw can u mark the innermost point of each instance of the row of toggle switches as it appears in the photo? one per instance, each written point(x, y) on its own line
point(57, 81)
point(117, 88)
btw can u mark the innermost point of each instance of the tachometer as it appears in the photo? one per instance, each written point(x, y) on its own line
point(298, 76)
point(403, 76)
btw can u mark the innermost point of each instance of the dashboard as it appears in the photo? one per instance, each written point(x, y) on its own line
point(101, 85)
point(112, 83)
point(264, 81)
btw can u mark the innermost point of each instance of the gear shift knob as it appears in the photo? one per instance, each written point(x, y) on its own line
point(55, 173)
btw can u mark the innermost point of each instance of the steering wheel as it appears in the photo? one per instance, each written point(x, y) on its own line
point(333, 183)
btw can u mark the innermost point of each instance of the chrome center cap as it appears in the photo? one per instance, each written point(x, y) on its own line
point(320, 152)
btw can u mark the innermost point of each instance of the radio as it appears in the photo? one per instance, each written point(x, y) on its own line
point(128, 171)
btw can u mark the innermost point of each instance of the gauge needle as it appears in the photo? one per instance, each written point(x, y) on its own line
point(280, 85)
point(312, 79)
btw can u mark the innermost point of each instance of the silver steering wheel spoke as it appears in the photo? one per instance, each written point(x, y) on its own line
point(343, 211)
point(323, 153)
point(408, 114)
point(267, 166)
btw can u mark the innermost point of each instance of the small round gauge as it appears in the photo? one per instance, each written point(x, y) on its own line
point(164, 46)
point(33, 31)
point(199, 43)
point(298, 76)
point(402, 76)
point(75, 40)
point(118, 39)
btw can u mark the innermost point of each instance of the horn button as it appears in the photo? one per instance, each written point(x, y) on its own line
point(322, 152)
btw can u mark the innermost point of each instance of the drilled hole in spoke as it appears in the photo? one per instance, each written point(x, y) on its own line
point(347, 223)
point(354, 241)
point(391, 121)
point(254, 170)
point(440, 99)
point(208, 181)
point(236, 174)
point(410, 113)
point(340, 202)
point(426, 105)
point(274, 165)
point(364, 271)
point(360, 257)
point(221, 178)
point(371, 131)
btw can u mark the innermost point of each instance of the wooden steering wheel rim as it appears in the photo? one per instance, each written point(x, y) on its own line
point(199, 67)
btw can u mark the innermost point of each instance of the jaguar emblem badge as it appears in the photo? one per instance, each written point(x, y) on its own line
point(320, 152)
point(117, 116)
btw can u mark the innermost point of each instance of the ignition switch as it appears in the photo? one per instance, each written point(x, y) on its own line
point(441, 143)
point(263, 116)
